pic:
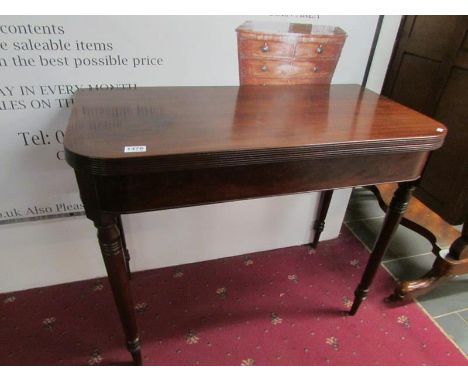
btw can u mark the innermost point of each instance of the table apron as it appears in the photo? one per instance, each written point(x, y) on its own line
point(172, 189)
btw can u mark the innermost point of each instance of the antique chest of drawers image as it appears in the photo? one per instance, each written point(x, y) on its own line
point(279, 53)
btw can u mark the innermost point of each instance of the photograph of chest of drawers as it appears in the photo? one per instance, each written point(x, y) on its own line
point(278, 53)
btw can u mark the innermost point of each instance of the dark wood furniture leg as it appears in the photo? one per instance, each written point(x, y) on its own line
point(412, 225)
point(455, 263)
point(393, 217)
point(124, 244)
point(114, 258)
point(420, 219)
point(319, 225)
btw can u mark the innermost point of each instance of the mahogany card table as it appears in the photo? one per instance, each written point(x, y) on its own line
point(145, 149)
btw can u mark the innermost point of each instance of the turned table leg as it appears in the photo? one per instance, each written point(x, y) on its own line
point(113, 255)
point(124, 244)
point(319, 225)
point(393, 217)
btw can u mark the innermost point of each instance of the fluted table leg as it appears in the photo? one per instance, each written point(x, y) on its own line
point(114, 259)
point(393, 217)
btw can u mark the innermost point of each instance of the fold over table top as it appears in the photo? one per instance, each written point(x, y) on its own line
point(195, 127)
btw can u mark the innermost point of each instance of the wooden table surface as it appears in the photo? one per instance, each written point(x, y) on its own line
point(248, 124)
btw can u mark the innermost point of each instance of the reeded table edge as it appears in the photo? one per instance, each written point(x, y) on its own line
point(231, 158)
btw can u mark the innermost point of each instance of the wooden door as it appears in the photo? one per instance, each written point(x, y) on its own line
point(429, 73)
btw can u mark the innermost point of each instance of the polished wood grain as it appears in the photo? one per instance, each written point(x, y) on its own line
point(263, 69)
point(199, 127)
point(255, 48)
point(275, 50)
point(216, 144)
point(181, 188)
point(319, 50)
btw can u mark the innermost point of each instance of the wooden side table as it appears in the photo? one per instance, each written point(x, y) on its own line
point(147, 149)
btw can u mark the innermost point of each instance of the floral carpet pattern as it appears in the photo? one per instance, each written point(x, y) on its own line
point(279, 307)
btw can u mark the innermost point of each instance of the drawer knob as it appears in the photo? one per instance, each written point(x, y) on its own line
point(264, 68)
point(265, 48)
point(315, 69)
point(319, 50)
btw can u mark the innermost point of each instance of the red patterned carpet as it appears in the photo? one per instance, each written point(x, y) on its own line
point(281, 307)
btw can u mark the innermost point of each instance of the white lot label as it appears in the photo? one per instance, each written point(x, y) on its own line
point(135, 149)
